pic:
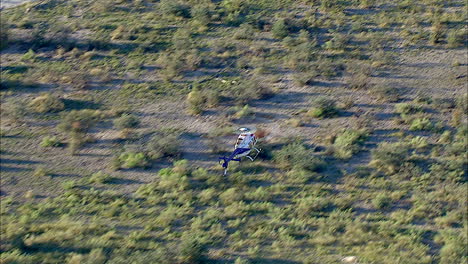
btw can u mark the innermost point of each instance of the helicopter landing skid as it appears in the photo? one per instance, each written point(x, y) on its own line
point(253, 158)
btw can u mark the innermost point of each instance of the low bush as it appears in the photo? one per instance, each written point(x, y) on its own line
point(389, 157)
point(174, 8)
point(295, 122)
point(250, 90)
point(323, 107)
point(386, 93)
point(381, 201)
point(133, 160)
point(191, 250)
point(231, 195)
point(29, 56)
point(337, 42)
point(358, 81)
point(297, 156)
point(280, 29)
point(163, 145)
point(243, 111)
point(46, 103)
point(79, 120)
point(196, 102)
point(423, 123)
point(305, 78)
point(41, 172)
point(4, 35)
point(454, 246)
point(437, 32)
point(456, 38)
point(126, 121)
point(245, 31)
point(307, 206)
point(348, 142)
point(100, 177)
point(407, 108)
point(50, 142)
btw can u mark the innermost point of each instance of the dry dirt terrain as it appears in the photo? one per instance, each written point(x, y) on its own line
point(114, 115)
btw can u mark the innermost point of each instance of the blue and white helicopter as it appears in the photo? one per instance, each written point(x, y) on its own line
point(244, 147)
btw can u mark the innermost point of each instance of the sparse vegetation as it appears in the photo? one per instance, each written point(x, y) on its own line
point(323, 108)
point(162, 145)
point(362, 105)
point(297, 156)
point(348, 143)
point(46, 103)
point(131, 160)
point(50, 142)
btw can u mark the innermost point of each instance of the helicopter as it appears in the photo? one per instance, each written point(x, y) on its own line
point(244, 147)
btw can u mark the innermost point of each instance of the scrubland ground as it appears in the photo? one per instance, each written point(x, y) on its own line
point(114, 114)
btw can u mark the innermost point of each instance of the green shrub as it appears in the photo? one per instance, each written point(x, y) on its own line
point(454, 246)
point(133, 160)
point(68, 185)
point(456, 38)
point(29, 56)
point(231, 195)
point(280, 29)
point(201, 13)
point(191, 250)
point(306, 78)
point(172, 180)
point(306, 206)
point(126, 121)
point(163, 145)
point(419, 142)
point(240, 260)
point(386, 93)
point(358, 81)
point(250, 90)
point(406, 108)
point(174, 8)
point(437, 32)
point(212, 98)
point(196, 102)
point(421, 124)
point(389, 157)
point(323, 108)
point(245, 31)
point(4, 35)
point(100, 177)
point(381, 201)
point(41, 172)
point(243, 112)
point(297, 156)
point(50, 142)
point(347, 143)
point(337, 42)
point(46, 103)
point(79, 121)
